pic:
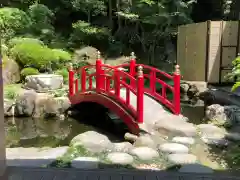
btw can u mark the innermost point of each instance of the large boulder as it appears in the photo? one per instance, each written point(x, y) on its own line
point(223, 115)
point(93, 142)
point(44, 82)
point(8, 108)
point(10, 71)
point(87, 54)
point(38, 105)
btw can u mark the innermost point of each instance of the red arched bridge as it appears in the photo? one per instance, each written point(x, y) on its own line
point(122, 89)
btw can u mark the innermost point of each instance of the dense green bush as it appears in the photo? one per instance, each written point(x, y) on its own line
point(33, 55)
point(32, 52)
point(28, 71)
point(235, 74)
point(85, 33)
point(64, 73)
point(13, 21)
point(61, 58)
point(19, 40)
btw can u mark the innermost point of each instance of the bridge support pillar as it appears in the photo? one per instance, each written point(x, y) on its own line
point(132, 68)
point(140, 95)
point(177, 79)
point(99, 73)
point(71, 79)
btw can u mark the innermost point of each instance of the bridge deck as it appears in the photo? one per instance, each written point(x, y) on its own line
point(21, 173)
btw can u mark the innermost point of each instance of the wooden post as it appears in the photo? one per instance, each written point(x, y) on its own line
point(71, 79)
point(177, 79)
point(132, 68)
point(117, 83)
point(140, 95)
point(98, 72)
point(83, 80)
point(2, 130)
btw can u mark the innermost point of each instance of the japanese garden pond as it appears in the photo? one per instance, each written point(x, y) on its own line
point(30, 132)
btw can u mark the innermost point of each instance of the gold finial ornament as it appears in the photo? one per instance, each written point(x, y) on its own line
point(140, 71)
point(70, 67)
point(177, 69)
point(98, 55)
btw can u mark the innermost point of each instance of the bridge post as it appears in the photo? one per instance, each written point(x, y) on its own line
point(132, 67)
point(71, 79)
point(83, 80)
point(177, 79)
point(140, 95)
point(99, 79)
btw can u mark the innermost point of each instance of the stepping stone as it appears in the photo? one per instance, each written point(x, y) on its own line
point(182, 158)
point(145, 153)
point(123, 147)
point(195, 168)
point(183, 140)
point(173, 148)
point(85, 163)
point(120, 158)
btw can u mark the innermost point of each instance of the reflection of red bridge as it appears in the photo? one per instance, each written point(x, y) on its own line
point(121, 89)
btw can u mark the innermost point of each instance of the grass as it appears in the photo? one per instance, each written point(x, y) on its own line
point(11, 91)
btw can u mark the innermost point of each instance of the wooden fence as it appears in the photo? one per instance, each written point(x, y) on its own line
point(205, 50)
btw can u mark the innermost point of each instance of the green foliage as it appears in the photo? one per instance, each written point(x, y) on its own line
point(13, 21)
point(85, 33)
point(64, 73)
point(19, 40)
point(61, 55)
point(28, 71)
point(41, 17)
point(32, 54)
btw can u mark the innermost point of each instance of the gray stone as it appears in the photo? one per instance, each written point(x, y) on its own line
point(123, 147)
point(213, 135)
point(145, 140)
point(233, 136)
point(120, 158)
point(210, 130)
point(182, 158)
point(183, 140)
point(217, 141)
point(215, 113)
point(145, 153)
point(93, 142)
point(37, 105)
point(85, 163)
point(178, 126)
point(173, 148)
point(8, 108)
point(44, 82)
point(195, 168)
point(34, 157)
point(130, 137)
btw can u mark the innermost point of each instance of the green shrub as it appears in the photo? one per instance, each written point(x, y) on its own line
point(61, 58)
point(28, 71)
point(33, 55)
point(19, 40)
point(64, 73)
point(13, 21)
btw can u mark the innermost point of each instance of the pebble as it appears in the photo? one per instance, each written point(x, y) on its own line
point(120, 158)
point(173, 148)
point(145, 153)
point(182, 158)
point(183, 140)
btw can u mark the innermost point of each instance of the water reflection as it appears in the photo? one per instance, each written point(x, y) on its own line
point(40, 132)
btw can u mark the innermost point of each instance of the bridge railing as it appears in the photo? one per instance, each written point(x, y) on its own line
point(111, 79)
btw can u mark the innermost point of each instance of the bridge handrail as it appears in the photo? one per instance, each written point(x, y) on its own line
point(136, 86)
